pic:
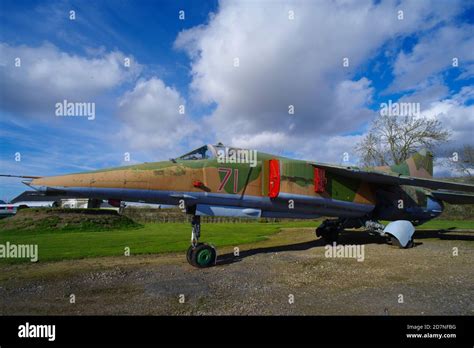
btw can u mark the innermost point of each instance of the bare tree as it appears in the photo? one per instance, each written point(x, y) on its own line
point(392, 139)
point(462, 160)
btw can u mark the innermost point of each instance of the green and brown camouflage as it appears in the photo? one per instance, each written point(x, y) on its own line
point(199, 177)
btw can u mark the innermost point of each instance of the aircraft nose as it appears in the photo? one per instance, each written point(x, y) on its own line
point(35, 184)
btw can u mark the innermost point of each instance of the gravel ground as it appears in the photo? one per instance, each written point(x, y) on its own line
point(263, 280)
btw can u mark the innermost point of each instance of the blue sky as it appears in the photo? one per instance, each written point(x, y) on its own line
point(282, 61)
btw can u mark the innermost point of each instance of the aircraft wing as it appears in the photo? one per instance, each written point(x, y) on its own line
point(378, 177)
point(454, 197)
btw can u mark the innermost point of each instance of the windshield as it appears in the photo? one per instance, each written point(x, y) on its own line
point(204, 152)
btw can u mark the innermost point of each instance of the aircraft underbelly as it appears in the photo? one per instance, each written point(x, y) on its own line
point(286, 205)
point(222, 210)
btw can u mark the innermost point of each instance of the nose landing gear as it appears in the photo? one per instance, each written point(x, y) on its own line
point(200, 255)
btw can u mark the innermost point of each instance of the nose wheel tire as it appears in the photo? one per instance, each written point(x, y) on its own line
point(201, 256)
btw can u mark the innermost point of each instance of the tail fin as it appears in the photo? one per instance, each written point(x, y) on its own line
point(420, 165)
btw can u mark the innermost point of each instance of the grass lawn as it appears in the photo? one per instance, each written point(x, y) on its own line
point(447, 224)
point(158, 238)
point(152, 238)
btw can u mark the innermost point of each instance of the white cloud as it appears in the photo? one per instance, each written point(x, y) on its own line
point(47, 76)
point(456, 114)
point(151, 118)
point(433, 54)
point(295, 62)
point(321, 148)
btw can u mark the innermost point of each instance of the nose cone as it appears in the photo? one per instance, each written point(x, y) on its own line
point(39, 184)
point(63, 180)
point(136, 182)
point(49, 183)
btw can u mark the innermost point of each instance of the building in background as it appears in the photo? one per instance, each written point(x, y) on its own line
point(34, 199)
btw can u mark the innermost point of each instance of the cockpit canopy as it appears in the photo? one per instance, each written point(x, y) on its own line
point(206, 152)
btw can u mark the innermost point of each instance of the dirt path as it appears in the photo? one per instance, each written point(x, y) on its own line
point(263, 280)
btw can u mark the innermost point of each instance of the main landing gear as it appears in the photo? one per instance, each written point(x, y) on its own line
point(399, 233)
point(329, 230)
point(200, 255)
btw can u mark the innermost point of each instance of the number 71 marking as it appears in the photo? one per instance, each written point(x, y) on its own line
point(228, 173)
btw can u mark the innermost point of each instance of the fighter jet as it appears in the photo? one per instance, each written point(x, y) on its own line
point(215, 180)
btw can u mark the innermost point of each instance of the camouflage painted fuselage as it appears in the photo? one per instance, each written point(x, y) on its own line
point(242, 190)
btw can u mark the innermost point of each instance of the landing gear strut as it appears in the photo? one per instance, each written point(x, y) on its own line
point(329, 230)
point(199, 255)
